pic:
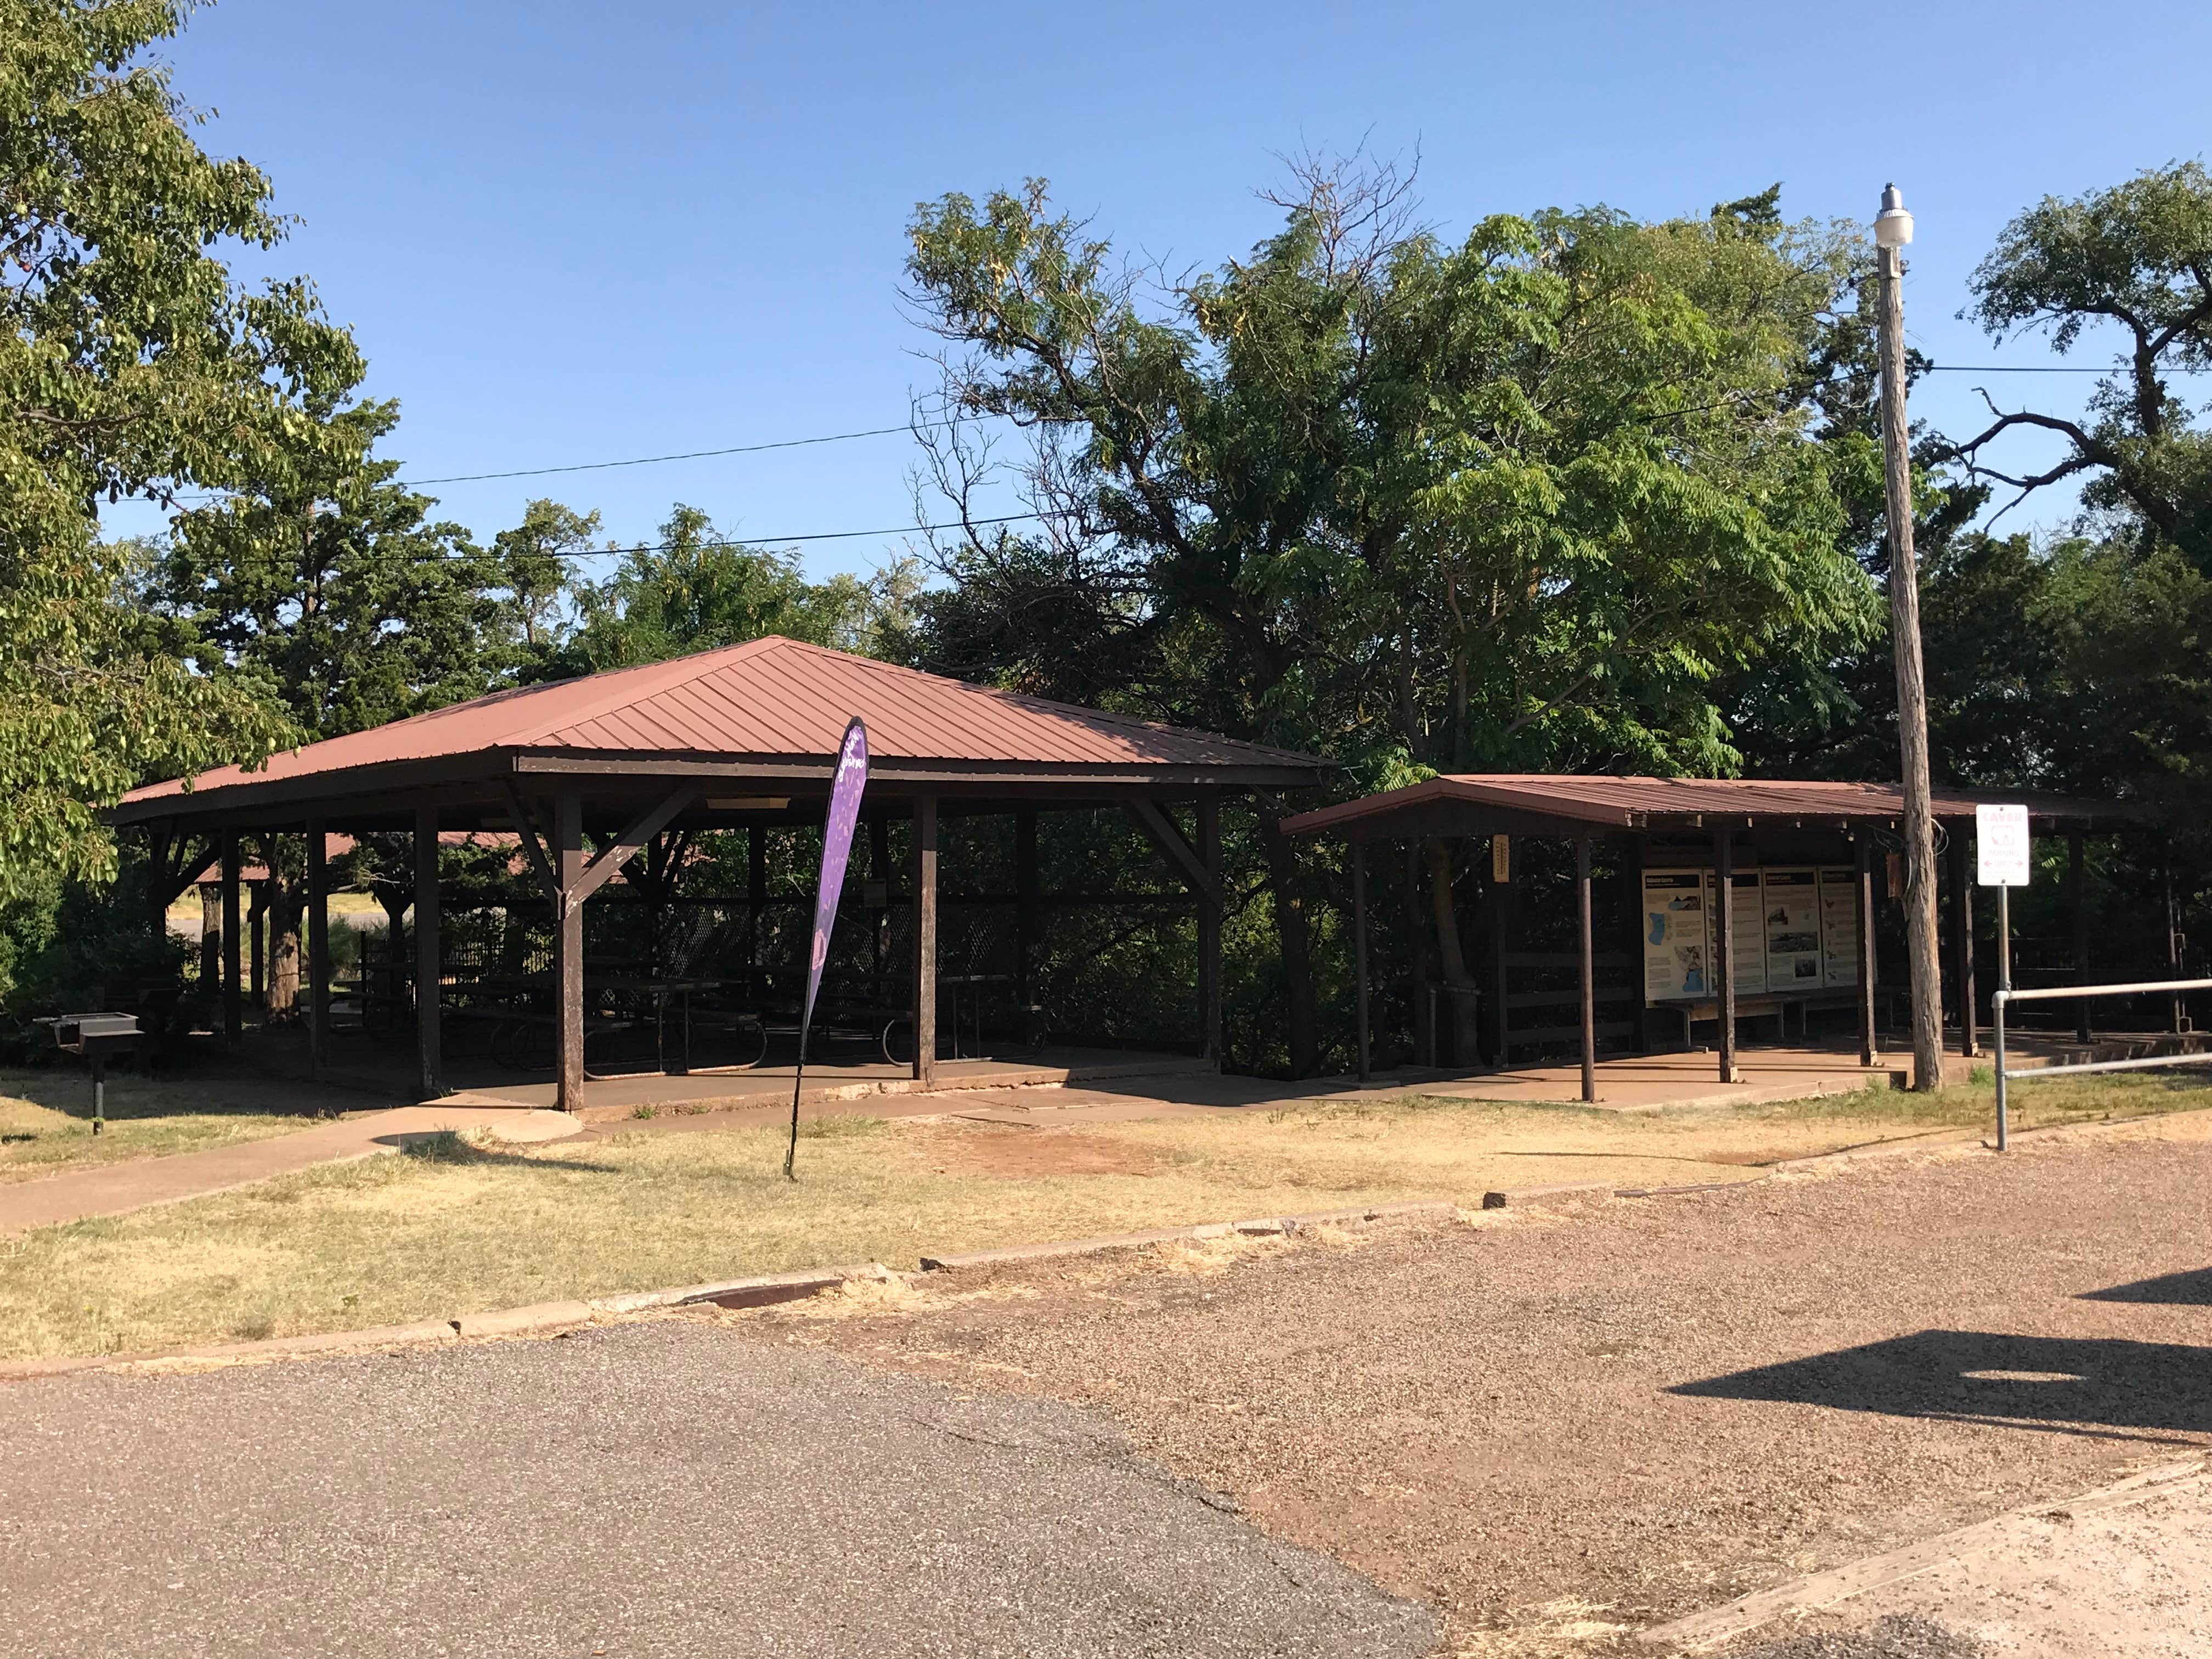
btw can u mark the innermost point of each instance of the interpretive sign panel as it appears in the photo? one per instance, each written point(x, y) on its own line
point(1839, 926)
point(1793, 929)
point(1677, 943)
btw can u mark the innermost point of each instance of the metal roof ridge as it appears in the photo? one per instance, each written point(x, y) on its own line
point(692, 665)
point(1048, 705)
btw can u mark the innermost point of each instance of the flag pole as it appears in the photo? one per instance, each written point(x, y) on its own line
point(845, 787)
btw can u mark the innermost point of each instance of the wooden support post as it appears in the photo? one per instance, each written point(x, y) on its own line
point(1420, 929)
point(568, 917)
point(1359, 851)
point(1501, 895)
point(257, 918)
point(2177, 1013)
point(1962, 943)
point(1026, 910)
point(756, 887)
point(2077, 896)
point(925, 940)
point(1209, 931)
point(1724, 944)
point(429, 978)
point(1867, 1049)
point(1583, 945)
point(1632, 907)
point(233, 988)
point(318, 949)
point(879, 924)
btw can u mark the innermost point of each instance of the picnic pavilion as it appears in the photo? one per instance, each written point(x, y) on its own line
point(1748, 898)
point(594, 775)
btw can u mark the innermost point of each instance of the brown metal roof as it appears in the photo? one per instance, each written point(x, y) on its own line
point(768, 699)
point(1630, 802)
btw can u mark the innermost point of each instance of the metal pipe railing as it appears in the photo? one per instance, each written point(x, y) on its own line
point(2005, 995)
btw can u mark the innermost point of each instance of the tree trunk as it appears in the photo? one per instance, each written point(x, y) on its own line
point(284, 947)
point(210, 937)
point(1294, 934)
point(1466, 1026)
point(397, 975)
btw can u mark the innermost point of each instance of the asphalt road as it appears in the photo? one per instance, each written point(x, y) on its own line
point(659, 1489)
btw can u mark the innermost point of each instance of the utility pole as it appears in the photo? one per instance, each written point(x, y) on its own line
point(1892, 229)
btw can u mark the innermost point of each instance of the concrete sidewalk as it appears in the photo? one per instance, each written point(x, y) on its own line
point(114, 1188)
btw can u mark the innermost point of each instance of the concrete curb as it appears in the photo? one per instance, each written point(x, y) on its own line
point(512, 1322)
point(760, 1290)
point(1261, 1226)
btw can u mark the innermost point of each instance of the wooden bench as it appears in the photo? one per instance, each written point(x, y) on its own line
point(1759, 1007)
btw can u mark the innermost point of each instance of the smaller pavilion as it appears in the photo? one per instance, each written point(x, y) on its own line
point(743, 737)
point(1751, 896)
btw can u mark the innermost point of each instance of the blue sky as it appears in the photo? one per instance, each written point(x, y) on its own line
point(569, 233)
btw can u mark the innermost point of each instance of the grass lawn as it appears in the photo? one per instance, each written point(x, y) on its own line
point(45, 1117)
point(453, 1229)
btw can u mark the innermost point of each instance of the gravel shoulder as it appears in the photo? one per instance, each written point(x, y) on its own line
point(1559, 1427)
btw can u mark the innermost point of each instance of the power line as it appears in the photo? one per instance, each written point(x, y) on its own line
point(749, 542)
point(819, 536)
point(687, 455)
point(2036, 369)
point(637, 461)
point(919, 426)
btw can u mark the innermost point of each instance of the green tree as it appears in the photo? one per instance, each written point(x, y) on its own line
point(2137, 257)
point(2126, 604)
point(536, 562)
point(696, 590)
point(1523, 501)
point(130, 364)
point(330, 581)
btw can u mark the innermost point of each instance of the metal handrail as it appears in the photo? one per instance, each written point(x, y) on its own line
point(2005, 995)
point(2075, 992)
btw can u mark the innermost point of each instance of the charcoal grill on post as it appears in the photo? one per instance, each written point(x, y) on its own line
point(96, 1036)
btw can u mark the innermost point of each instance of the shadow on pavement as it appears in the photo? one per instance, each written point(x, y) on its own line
point(2101, 1382)
point(2192, 1289)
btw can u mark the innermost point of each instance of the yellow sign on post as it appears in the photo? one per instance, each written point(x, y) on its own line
point(1501, 859)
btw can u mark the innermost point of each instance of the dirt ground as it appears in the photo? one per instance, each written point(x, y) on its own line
point(1559, 1426)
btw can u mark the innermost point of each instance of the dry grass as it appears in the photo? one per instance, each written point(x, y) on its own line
point(45, 1117)
point(459, 1226)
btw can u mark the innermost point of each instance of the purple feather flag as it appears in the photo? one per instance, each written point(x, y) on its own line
point(845, 791)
